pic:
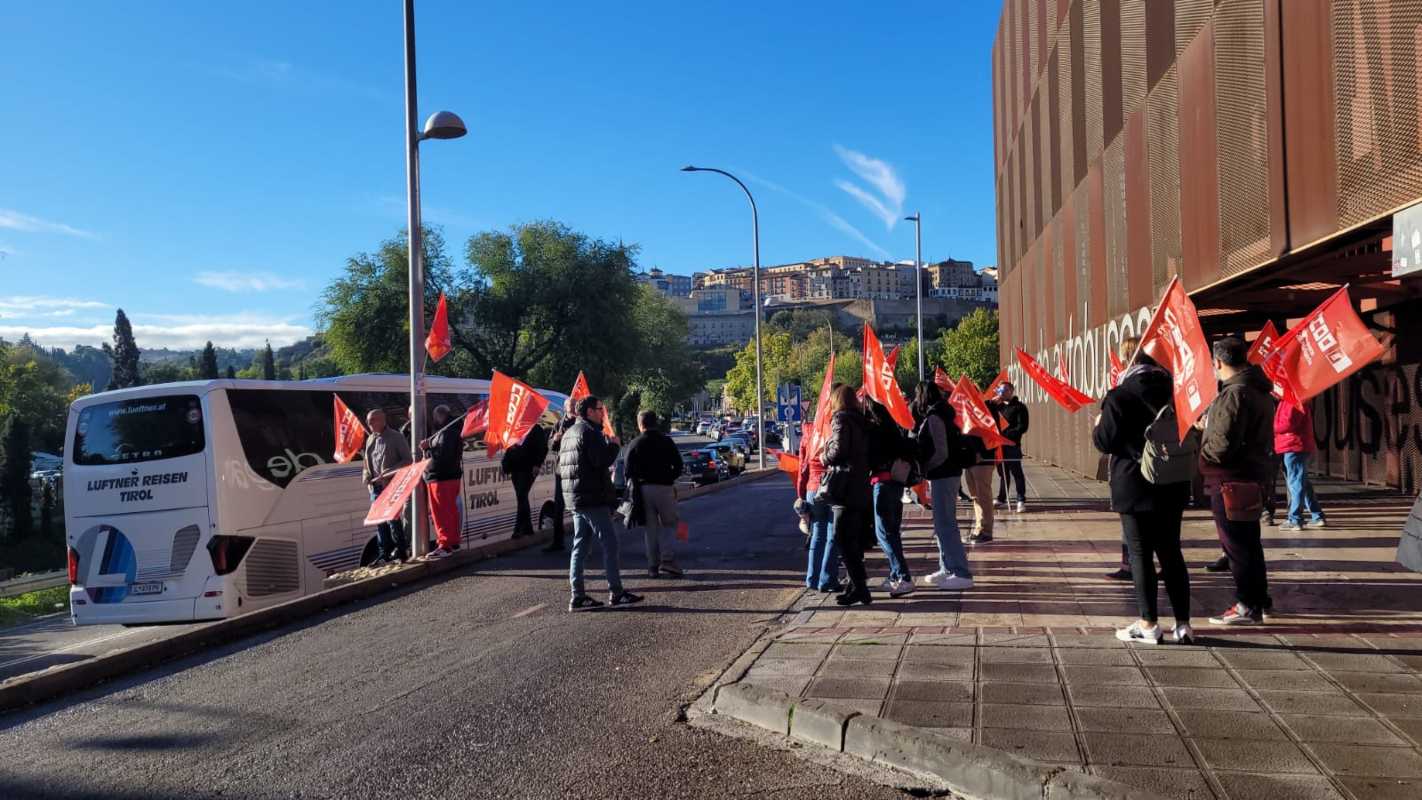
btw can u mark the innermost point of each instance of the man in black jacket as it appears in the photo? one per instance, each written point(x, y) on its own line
point(585, 459)
point(1014, 412)
point(522, 462)
point(653, 465)
point(570, 416)
point(443, 475)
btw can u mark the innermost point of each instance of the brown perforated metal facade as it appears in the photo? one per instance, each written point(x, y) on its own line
point(1241, 135)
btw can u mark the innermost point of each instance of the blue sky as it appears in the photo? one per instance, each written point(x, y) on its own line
point(209, 167)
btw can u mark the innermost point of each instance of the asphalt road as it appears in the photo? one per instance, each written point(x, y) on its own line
point(479, 684)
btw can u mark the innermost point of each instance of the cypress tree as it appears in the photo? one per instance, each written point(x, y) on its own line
point(124, 355)
point(207, 363)
point(268, 363)
point(15, 474)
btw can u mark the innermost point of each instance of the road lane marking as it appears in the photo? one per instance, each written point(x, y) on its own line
point(531, 610)
point(74, 646)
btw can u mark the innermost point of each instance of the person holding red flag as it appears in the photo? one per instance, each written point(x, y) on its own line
point(585, 458)
point(1293, 439)
point(386, 452)
point(942, 455)
point(1018, 419)
point(846, 483)
point(443, 475)
point(822, 569)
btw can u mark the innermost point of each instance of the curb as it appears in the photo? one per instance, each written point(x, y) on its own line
point(972, 770)
point(37, 687)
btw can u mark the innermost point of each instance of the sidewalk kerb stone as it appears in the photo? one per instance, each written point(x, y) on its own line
point(819, 722)
point(757, 705)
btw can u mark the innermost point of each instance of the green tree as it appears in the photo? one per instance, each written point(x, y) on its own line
point(231, 372)
point(35, 389)
point(46, 527)
point(971, 348)
point(801, 322)
point(266, 363)
point(124, 355)
point(663, 372)
point(166, 372)
point(207, 363)
point(15, 492)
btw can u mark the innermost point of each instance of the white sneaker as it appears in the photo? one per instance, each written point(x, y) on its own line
point(1135, 633)
point(886, 585)
point(955, 583)
point(934, 579)
point(1184, 634)
point(435, 555)
point(900, 588)
point(1021, 507)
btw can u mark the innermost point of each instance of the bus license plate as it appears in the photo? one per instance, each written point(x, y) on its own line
point(153, 587)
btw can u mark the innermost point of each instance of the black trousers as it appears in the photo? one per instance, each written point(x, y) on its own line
point(1150, 535)
point(853, 528)
point(1011, 467)
point(523, 483)
point(1245, 550)
point(559, 509)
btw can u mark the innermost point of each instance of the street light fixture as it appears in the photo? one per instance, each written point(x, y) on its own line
point(755, 300)
point(440, 125)
point(917, 220)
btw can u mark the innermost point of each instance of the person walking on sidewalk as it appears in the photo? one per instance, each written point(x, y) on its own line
point(890, 452)
point(443, 475)
point(939, 440)
point(1150, 513)
point(521, 463)
point(386, 451)
point(1293, 439)
point(978, 477)
point(560, 505)
point(653, 465)
point(1014, 411)
point(822, 569)
point(846, 459)
point(585, 459)
point(1237, 455)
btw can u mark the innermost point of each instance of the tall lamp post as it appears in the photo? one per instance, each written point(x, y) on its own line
point(440, 125)
point(917, 220)
point(755, 299)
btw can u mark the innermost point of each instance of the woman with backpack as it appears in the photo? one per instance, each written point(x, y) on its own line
point(846, 486)
point(890, 464)
point(941, 452)
point(1150, 510)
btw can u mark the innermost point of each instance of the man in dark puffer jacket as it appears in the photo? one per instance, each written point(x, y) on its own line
point(585, 459)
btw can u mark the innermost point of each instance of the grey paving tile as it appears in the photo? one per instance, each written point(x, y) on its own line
point(1032, 718)
point(1379, 762)
point(1036, 745)
point(1255, 786)
point(933, 691)
point(784, 667)
point(1394, 706)
point(791, 685)
point(1411, 727)
point(1215, 678)
point(1178, 784)
point(1019, 673)
point(961, 734)
point(1244, 754)
point(1015, 655)
point(1034, 694)
point(1241, 658)
point(1113, 696)
point(928, 714)
point(930, 671)
point(1354, 661)
point(1223, 699)
point(1317, 703)
point(795, 650)
point(1105, 658)
point(1384, 788)
point(938, 654)
point(1104, 676)
point(1379, 682)
point(1413, 661)
point(1097, 642)
point(1176, 657)
point(1352, 730)
point(1124, 720)
point(1287, 680)
point(866, 652)
point(843, 668)
point(1204, 723)
point(1141, 750)
point(867, 706)
point(1015, 640)
point(848, 688)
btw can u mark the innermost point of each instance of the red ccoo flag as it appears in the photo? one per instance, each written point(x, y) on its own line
point(1117, 370)
point(391, 502)
point(350, 434)
point(974, 419)
point(880, 383)
point(942, 381)
point(514, 408)
point(821, 426)
point(1176, 341)
point(476, 420)
point(1264, 344)
point(437, 343)
point(581, 390)
point(991, 390)
point(1066, 395)
point(1330, 344)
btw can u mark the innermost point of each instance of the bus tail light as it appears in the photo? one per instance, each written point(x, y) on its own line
point(227, 552)
point(73, 566)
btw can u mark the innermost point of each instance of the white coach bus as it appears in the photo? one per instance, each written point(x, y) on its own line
point(207, 499)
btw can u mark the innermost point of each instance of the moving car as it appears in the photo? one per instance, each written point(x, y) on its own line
point(702, 467)
point(733, 455)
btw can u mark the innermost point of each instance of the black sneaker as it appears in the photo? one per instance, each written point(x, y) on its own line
point(583, 603)
point(672, 570)
point(626, 598)
point(1220, 564)
point(1121, 574)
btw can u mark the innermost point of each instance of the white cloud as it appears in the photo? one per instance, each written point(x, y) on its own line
point(29, 307)
point(888, 206)
point(173, 331)
point(245, 281)
point(828, 216)
point(15, 221)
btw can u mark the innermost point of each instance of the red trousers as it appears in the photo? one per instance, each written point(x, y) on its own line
point(444, 510)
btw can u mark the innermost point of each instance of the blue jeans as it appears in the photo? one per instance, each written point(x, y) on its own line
point(1300, 488)
point(594, 522)
point(952, 559)
point(823, 569)
point(389, 536)
point(888, 525)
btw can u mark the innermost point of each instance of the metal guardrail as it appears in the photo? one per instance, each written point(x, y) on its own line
point(33, 583)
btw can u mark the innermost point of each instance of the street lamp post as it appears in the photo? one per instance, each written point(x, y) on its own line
point(917, 220)
point(755, 299)
point(441, 125)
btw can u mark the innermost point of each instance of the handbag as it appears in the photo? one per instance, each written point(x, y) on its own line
point(900, 471)
point(835, 486)
point(1243, 500)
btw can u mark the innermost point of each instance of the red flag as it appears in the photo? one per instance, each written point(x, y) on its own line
point(787, 462)
point(893, 357)
point(350, 434)
point(974, 418)
point(992, 388)
point(1117, 369)
point(437, 343)
point(1330, 344)
point(880, 382)
point(1063, 369)
point(921, 489)
point(514, 408)
point(392, 499)
point(581, 390)
point(476, 420)
point(1264, 344)
point(1176, 341)
point(822, 420)
point(941, 379)
point(1066, 395)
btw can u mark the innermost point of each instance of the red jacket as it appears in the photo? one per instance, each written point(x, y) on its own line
point(1293, 429)
point(811, 470)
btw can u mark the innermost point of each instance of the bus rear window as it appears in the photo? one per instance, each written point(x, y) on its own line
point(129, 431)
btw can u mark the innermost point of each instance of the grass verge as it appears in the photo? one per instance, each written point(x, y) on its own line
point(25, 607)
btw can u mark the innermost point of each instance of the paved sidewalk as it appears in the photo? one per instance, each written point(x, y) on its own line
point(1323, 702)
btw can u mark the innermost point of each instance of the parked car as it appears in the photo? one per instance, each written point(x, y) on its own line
point(703, 468)
point(741, 440)
point(733, 455)
point(703, 427)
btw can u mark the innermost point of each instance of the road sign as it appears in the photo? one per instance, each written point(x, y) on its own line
point(787, 400)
